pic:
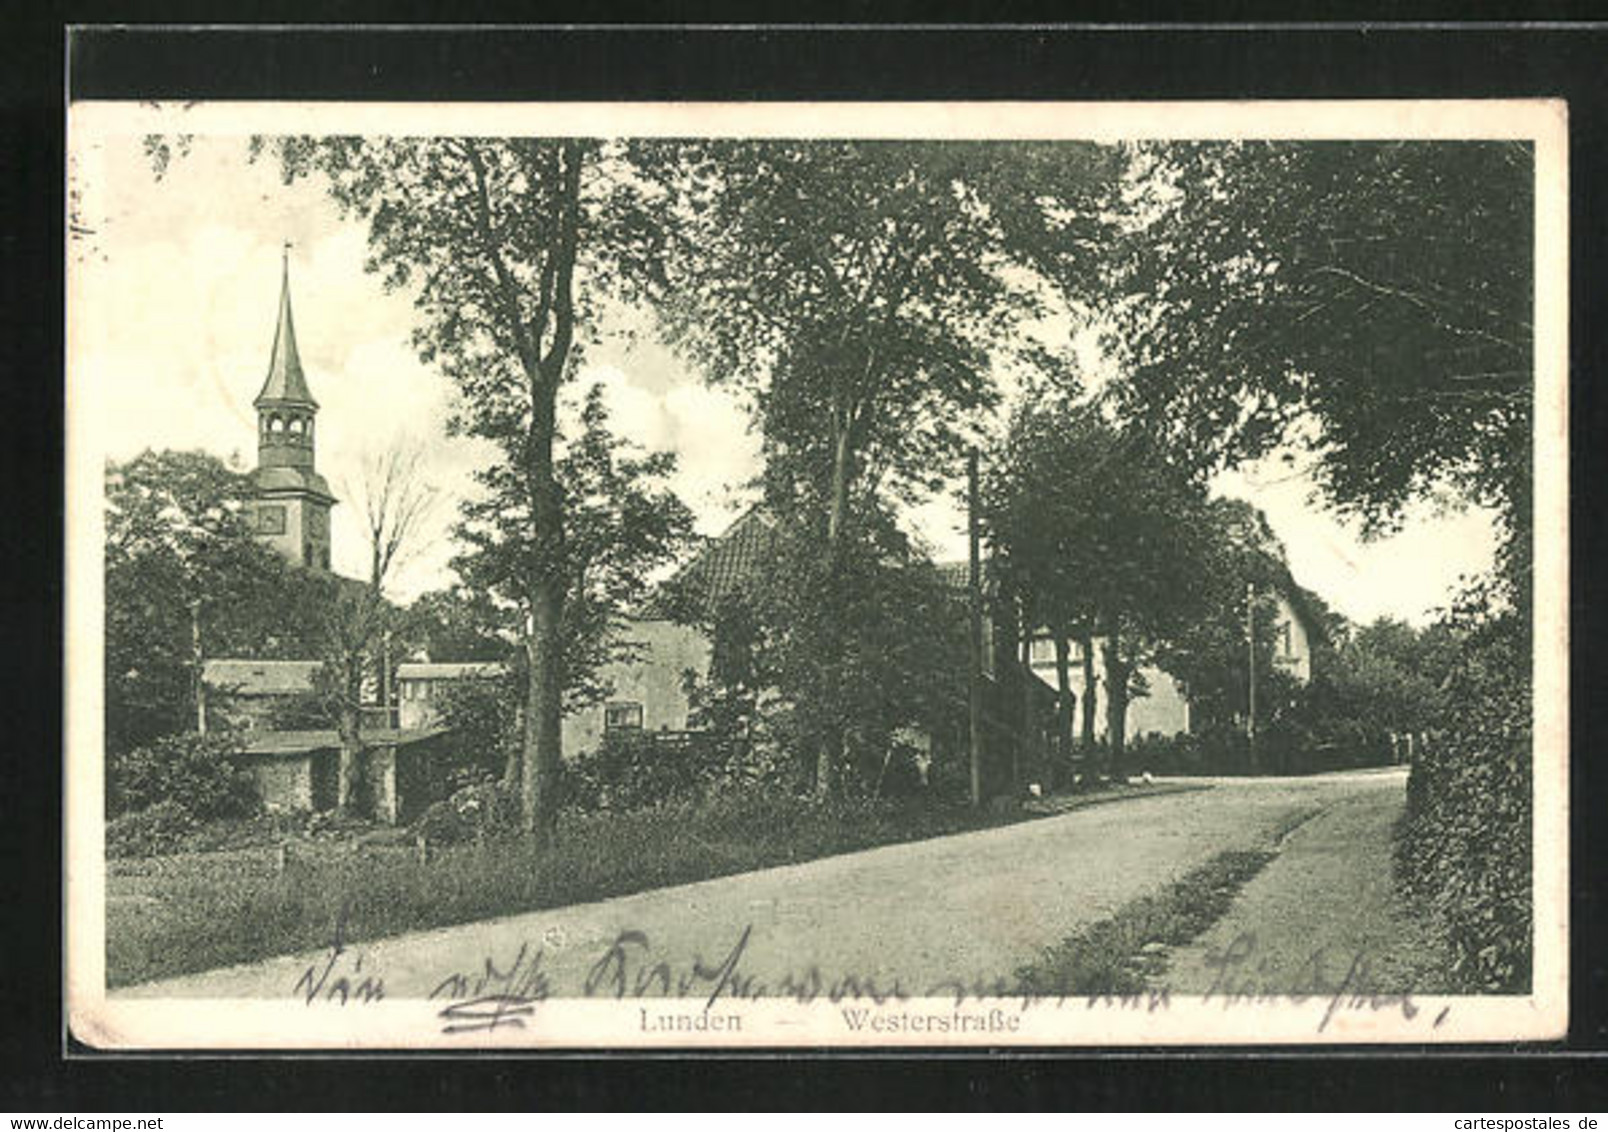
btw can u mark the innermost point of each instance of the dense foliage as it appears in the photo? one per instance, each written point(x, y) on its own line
point(185, 580)
point(1367, 301)
point(198, 774)
point(1465, 847)
point(156, 829)
point(623, 523)
point(848, 655)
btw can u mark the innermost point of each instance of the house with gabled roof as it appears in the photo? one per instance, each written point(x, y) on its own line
point(648, 691)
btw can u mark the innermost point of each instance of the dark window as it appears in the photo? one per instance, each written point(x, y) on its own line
point(622, 717)
point(271, 519)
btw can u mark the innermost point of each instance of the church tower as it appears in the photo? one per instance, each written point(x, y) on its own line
point(291, 510)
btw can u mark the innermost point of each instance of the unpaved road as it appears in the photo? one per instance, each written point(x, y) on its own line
point(922, 916)
point(1323, 910)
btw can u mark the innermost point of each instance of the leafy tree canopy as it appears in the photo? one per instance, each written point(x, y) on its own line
point(624, 523)
point(1370, 301)
point(183, 571)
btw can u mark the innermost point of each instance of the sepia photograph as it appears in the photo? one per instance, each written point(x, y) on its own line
point(858, 575)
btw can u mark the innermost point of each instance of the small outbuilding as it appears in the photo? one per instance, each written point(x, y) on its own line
point(403, 770)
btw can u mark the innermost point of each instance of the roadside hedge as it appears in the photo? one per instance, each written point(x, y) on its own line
point(1464, 846)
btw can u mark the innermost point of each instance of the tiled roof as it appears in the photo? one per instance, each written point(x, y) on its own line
point(286, 384)
point(726, 564)
point(475, 669)
point(260, 677)
point(301, 742)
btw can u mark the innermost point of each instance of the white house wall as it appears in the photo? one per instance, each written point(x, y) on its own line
point(1164, 711)
point(654, 680)
point(1296, 658)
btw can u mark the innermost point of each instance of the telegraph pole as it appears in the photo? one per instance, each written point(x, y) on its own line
point(974, 600)
point(1250, 637)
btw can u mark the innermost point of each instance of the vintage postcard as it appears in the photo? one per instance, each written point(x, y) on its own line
point(610, 576)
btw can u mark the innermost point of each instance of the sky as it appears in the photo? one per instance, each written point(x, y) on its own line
point(173, 297)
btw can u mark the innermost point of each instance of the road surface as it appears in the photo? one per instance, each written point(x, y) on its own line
point(920, 916)
point(1324, 909)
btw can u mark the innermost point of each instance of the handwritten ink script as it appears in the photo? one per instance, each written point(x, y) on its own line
point(339, 976)
point(1340, 980)
point(502, 992)
point(495, 996)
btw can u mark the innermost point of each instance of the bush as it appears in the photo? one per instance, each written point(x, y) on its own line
point(485, 808)
point(160, 828)
point(634, 770)
point(200, 774)
point(1165, 754)
point(1464, 844)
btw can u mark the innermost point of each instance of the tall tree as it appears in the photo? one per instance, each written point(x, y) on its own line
point(1034, 524)
point(853, 289)
point(1368, 301)
point(624, 524)
point(185, 580)
point(1104, 533)
point(508, 245)
point(394, 500)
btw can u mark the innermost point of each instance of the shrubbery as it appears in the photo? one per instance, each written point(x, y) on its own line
point(199, 774)
point(484, 808)
point(1287, 746)
point(629, 771)
point(145, 832)
point(1464, 847)
point(635, 770)
point(159, 794)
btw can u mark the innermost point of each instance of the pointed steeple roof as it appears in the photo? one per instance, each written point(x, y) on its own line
point(286, 383)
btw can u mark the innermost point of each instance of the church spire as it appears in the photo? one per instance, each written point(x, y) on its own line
point(286, 384)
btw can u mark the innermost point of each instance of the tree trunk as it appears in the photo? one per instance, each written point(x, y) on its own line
point(829, 749)
point(1065, 702)
point(514, 757)
point(1091, 684)
point(347, 725)
point(543, 758)
point(386, 706)
point(1116, 700)
point(198, 665)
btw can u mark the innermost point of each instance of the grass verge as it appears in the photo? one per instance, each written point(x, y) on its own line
point(175, 915)
point(1107, 957)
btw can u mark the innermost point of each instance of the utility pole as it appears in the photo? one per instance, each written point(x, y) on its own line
point(1250, 637)
point(198, 661)
point(974, 600)
point(387, 708)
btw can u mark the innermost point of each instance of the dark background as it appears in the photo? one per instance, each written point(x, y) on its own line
point(43, 1071)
